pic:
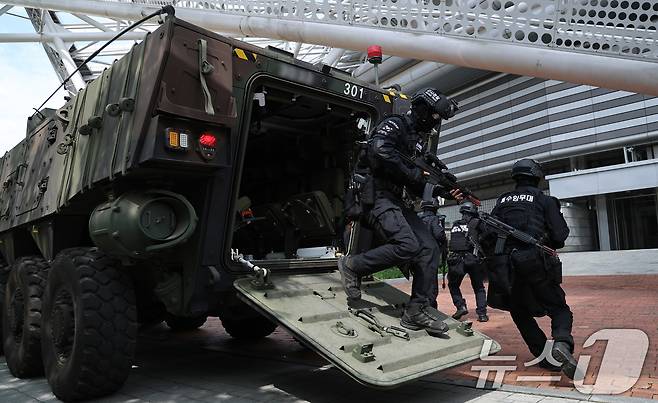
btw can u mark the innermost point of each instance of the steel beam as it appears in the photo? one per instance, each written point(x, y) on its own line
point(47, 37)
point(92, 22)
point(5, 9)
point(333, 57)
point(591, 68)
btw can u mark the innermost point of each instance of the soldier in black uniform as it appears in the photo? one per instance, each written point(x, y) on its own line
point(436, 225)
point(536, 277)
point(464, 259)
point(406, 239)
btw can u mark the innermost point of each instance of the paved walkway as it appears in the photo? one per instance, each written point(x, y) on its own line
point(597, 302)
point(184, 368)
point(209, 366)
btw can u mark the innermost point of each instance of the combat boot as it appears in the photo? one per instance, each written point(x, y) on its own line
point(461, 311)
point(562, 354)
point(351, 280)
point(415, 317)
point(547, 365)
point(483, 318)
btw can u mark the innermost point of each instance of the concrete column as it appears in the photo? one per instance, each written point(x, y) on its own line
point(602, 220)
point(657, 203)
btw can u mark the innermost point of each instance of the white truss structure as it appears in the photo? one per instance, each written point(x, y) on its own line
point(69, 38)
point(624, 28)
point(606, 43)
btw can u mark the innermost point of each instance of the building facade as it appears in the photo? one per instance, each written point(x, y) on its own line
point(599, 148)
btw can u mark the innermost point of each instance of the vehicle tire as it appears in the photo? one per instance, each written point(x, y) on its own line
point(21, 316)
point(89, 325)
point(4, 274)
point(252, 328)
point(184, 323)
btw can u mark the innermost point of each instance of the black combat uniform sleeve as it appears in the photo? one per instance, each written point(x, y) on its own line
point(384, 149)
point(558, 231)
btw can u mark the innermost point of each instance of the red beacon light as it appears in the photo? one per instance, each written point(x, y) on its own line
point(207, 145)
point(375, 58)
point(208, 140)
point(375, 54)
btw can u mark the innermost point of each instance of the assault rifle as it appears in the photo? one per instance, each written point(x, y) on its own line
point(503, 231)
point(439, 174)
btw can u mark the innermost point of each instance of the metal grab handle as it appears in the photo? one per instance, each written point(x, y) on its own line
point(262, 275)
point(375, 326)
point(205, 68)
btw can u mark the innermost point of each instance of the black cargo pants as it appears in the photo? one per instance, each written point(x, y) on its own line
point(475, 271)
point(405, 240)
point(551, 297)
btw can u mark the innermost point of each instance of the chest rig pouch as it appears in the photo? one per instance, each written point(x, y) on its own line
point(529, 264)
point(522, 210)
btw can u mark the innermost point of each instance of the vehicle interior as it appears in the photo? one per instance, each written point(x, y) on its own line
point(299, 152)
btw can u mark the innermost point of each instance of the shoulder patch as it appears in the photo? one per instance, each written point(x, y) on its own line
point(515, 198)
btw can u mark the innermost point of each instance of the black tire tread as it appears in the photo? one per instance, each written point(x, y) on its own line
point(109, 321)
point(4, 275)
point(24, 360)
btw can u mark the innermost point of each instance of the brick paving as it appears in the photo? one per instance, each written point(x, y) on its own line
point(208, 366)
point(597, 302)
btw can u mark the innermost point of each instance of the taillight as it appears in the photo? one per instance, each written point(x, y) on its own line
point(208, 140)
point(207, 145)
point(176, 139)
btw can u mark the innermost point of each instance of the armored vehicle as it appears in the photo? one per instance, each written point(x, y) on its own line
point(197, 176)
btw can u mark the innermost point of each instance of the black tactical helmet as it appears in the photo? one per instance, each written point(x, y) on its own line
point(429, 106)
point(527, 167)
point(467, 208)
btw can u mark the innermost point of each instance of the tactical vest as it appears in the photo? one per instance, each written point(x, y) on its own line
point(458, 238)
point(523, 210)
point(400, 124)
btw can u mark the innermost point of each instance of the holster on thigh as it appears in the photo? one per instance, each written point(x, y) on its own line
point(498, 299)
point(500, 282)
point(529, 265)
point(455, 265)
point(500, 272)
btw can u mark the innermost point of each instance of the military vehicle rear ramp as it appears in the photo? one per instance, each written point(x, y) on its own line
point(364, 338)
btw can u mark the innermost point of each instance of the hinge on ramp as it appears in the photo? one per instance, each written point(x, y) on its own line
point(261, 280)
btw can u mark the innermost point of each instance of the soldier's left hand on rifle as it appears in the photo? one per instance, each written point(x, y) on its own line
point(457, 195)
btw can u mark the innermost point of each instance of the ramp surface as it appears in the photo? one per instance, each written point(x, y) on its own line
point(375, 352)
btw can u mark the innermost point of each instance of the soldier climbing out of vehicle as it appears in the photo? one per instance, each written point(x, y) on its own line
point(405, 238)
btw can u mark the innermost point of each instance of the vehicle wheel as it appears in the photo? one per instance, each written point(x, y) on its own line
point(252, 328)
point(89, 325)
point(21, 316)
point(184, 323)
point(4, 273)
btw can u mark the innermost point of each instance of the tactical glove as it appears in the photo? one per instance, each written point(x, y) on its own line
point(439, 190)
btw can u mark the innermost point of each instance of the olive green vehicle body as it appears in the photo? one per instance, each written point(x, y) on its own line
point(105, 152)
